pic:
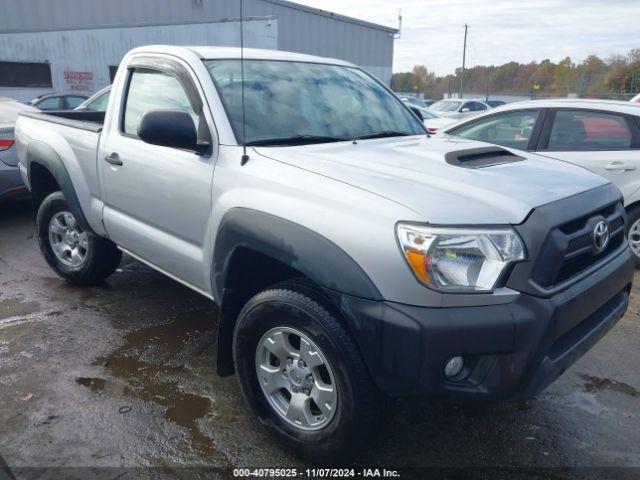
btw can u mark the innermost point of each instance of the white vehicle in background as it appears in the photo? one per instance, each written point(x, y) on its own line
point(635, 99)
point(426, 114)
point(600, 135)
point(96, 102)
point(456, 109)
point(435, 124)
point(11, 185)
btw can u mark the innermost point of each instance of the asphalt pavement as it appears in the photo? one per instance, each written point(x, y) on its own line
point(121, 378)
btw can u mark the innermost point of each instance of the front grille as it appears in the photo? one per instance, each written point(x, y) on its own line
point(569, 249)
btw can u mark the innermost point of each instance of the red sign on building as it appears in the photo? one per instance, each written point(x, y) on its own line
point(79, 81)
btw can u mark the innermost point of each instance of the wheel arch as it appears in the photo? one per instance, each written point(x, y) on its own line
point(47, 174)
point(634, 204)
point(255, 250)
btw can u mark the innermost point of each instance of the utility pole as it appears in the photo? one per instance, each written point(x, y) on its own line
point(464, 59)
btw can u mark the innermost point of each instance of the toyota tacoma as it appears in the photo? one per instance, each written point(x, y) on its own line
point(353, 258)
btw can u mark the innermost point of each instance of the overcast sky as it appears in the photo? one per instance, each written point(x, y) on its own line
point(500, 30)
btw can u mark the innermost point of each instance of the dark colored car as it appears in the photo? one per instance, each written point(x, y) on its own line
point(58, 101)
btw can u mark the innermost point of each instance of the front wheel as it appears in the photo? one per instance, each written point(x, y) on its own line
point(73, 253)
point(633, 232)
point(302, 374)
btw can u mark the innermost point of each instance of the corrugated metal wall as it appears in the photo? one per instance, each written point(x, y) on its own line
point(95, 50)
point(301, 29)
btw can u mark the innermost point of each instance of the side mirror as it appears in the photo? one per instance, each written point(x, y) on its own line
point(418, 113)
point(465, 110)
point(169, 128)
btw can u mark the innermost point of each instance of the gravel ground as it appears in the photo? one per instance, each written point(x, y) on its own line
point(119, 380)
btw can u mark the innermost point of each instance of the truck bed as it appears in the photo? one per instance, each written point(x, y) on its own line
point(85, 120)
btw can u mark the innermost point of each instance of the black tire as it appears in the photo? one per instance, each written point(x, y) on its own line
point(360, 404)
point(103, 257)
point(633, 215)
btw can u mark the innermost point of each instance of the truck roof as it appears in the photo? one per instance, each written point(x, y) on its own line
point(212, 53)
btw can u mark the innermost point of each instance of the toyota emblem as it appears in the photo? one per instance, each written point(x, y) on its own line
point(601, 236)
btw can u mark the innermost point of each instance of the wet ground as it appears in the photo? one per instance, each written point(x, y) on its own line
point(122, 375)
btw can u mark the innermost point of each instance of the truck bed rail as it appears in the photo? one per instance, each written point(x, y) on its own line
point(91, 121)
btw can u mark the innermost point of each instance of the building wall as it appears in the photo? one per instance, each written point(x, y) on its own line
point(95, 50)
point(86, 32)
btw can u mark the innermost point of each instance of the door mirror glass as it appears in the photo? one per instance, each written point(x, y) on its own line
point(169, 128)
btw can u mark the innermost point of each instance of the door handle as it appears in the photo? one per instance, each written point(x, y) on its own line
point(113, 159)
point(619, 166)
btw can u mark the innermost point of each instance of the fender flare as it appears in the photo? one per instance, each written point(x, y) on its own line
point(44, 155)
point(293, 245)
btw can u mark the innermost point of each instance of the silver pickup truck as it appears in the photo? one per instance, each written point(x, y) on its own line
point(353, 258)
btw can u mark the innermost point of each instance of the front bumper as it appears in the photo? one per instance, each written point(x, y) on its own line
point(511, 351)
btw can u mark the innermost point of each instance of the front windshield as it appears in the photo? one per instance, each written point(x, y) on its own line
point(445, 106)
point(295, 102)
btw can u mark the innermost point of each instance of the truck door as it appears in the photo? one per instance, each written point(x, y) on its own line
point(158, 199)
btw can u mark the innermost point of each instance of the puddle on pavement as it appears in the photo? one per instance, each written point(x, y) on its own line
point(172, 336)
point(99, 385)
point(14, 307)
point(152, 382)
point(596, 384)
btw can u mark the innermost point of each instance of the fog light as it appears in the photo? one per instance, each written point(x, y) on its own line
point(454, 367)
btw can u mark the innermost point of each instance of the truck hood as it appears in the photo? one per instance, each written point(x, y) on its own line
point(412, 171)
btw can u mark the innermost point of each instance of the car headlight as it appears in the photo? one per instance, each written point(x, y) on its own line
point(459, 260)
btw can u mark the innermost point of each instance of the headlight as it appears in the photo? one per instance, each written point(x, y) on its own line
point(459, 260)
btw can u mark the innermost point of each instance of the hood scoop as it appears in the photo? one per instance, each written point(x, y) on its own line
point(481, 157)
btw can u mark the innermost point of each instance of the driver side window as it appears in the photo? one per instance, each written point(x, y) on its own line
point(512, 129)
point(153, 90)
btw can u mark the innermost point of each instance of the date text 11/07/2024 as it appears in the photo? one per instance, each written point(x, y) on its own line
point(315, 473)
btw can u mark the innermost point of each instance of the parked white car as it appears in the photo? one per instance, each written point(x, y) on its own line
point(96, 102)
point(635, 99)
point(456, 109)
point(600, 135)
point(434, 125)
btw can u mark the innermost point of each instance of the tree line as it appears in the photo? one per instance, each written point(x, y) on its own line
point(615, 77)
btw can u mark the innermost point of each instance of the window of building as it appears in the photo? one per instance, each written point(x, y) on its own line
point(23, 74)
point(113, 69)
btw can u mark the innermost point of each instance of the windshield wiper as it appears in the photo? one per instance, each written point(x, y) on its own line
point(296, 140)
point(384, 134)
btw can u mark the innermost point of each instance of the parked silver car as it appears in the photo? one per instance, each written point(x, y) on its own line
point(11, 184)
point(453, 108)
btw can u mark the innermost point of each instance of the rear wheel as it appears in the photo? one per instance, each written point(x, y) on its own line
point(303, 375)
point(72, 252)
point(633, 232)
